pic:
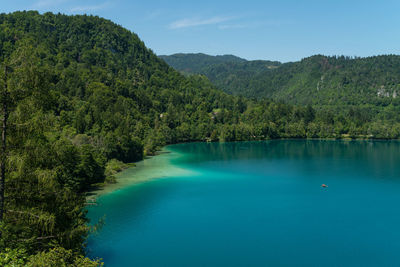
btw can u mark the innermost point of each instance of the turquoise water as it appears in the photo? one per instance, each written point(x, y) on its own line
point(259, 204)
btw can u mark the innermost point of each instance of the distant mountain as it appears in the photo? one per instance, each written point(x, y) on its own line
point(235, 77)
point(322, 81)
point(228, 72)
point(318, 80)
point(195, 63)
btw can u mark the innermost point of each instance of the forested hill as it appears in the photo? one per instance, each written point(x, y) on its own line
point(317, 80)
point(195, 63)
point(333, 81)
point(84, 95)
point(229, 73)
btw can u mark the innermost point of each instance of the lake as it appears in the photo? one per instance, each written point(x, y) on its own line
point(257, 204)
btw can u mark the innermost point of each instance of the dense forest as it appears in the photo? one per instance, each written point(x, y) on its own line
point(321, 81)
point(82, 96)
point(229, 73)
point(196, 63)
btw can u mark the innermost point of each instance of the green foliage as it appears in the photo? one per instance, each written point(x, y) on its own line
point(13, 258)
point(60, 257)
point(195, 63)
point(229, 73)
point(56, 257)
point(112, 168)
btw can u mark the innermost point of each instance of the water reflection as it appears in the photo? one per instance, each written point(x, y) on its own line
point(292, 149)
point(325, 157)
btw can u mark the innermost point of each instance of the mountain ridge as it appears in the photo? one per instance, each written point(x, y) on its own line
point(318, 80)
point(184, 61)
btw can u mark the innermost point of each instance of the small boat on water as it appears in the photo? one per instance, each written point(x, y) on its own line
point(324, 185)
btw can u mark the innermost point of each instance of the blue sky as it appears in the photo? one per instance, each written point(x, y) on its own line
point(285, 30)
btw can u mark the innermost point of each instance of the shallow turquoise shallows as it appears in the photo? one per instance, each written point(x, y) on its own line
point(258, 204)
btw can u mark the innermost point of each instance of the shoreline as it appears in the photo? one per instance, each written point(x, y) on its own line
point(154, 167)
point(159, 166)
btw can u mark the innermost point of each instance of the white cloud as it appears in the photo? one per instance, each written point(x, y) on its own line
point(89, 8)
point(186, 23)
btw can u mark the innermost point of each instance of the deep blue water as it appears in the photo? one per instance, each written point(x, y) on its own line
point(260, 204)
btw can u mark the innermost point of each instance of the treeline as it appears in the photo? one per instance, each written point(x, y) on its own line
point(85, 96)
